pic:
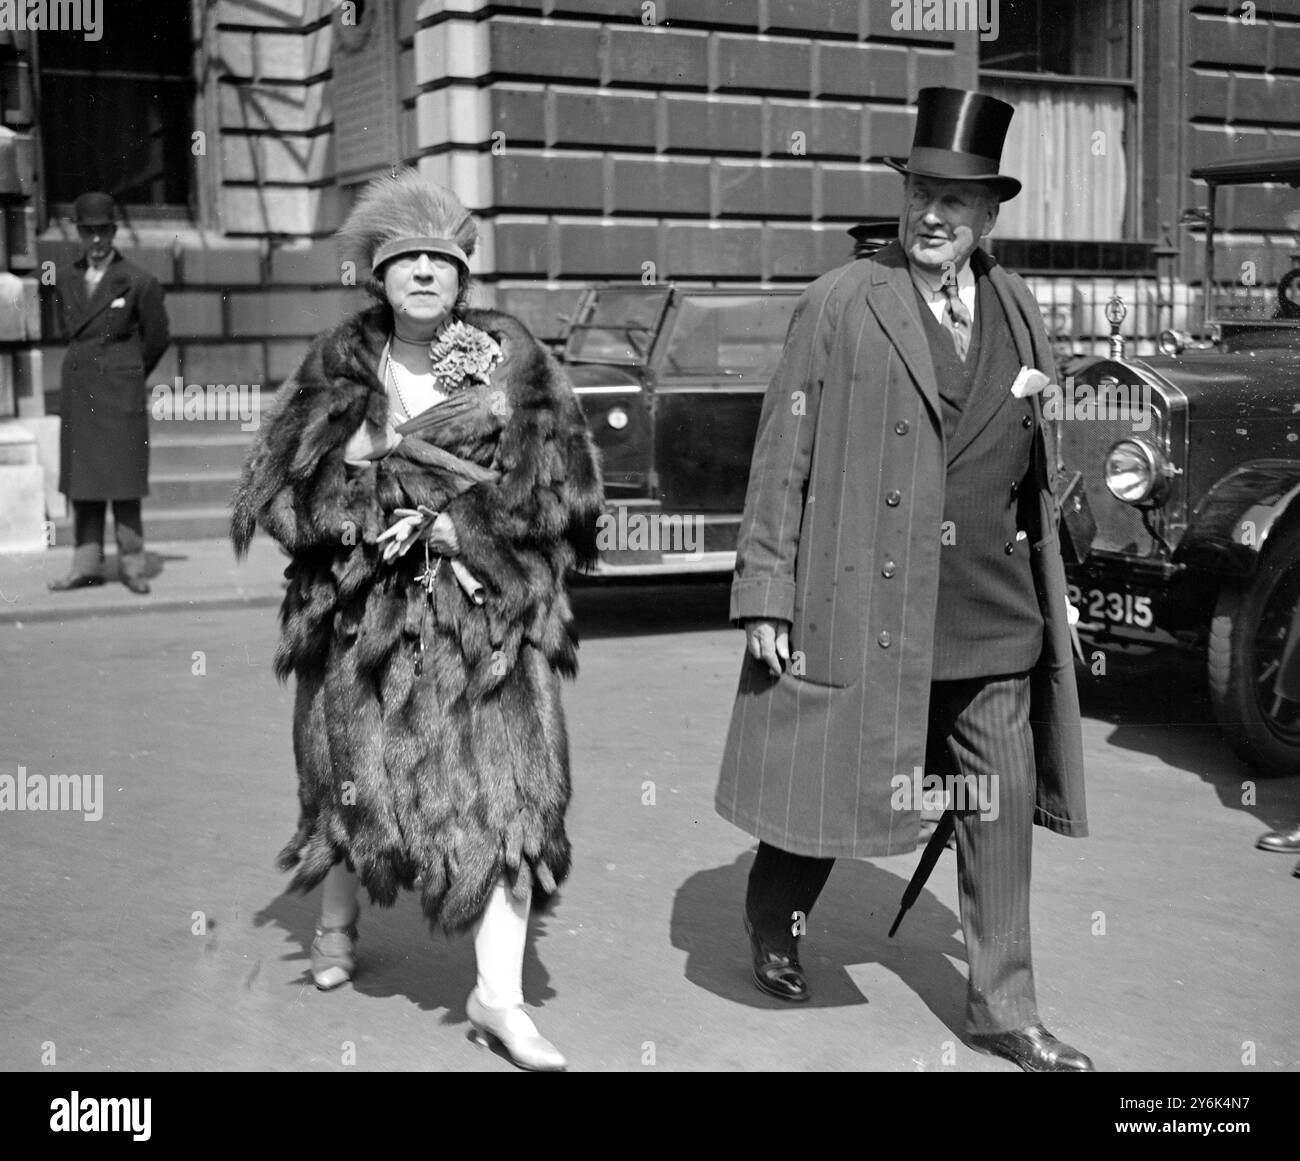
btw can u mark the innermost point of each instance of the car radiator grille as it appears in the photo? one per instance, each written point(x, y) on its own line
point(1084, 444)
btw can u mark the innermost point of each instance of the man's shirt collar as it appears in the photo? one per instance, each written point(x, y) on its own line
point(931, 285)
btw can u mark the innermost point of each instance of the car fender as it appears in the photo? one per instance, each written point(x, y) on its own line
point(1232, 523)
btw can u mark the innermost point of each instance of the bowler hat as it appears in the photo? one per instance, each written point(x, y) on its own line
point(959, 137)
point(94, 209)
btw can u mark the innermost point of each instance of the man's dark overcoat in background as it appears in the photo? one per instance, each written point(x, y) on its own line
point(115, 338)
point(841, 537)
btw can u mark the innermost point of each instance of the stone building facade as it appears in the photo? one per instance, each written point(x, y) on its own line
point(717, 141)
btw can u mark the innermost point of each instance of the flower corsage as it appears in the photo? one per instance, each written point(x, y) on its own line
point(463, 356)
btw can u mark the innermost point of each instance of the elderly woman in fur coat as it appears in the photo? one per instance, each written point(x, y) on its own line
point(430, 473)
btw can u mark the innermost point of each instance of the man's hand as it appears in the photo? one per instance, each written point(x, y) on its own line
point(769, 642)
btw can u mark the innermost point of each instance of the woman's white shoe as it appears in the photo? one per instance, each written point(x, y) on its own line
point(515, 1031)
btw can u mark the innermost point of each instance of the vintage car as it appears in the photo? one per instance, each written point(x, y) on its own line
point(671, 380)
point(1181, 522)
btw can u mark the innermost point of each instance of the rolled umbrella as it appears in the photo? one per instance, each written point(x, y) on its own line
point(942, 833)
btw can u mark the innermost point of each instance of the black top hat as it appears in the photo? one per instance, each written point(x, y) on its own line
point(94, 209)
point(959, 137)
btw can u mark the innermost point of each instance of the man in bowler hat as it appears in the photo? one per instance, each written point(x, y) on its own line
point(111, 314)
point(901, 587)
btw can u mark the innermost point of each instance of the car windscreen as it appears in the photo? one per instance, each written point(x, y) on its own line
point(1257, 256)
point(617, 326)
point(729, 335)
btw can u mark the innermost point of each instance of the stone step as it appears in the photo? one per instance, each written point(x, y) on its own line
point(205, 428)
point(208, 522)
point(171, 454)
point(171, 491)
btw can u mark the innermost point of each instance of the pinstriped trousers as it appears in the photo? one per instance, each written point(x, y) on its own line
point(979, 727)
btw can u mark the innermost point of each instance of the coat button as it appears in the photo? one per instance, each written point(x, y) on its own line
point(901, 427)
point(889, 569)
point(884, 640)
point(1027, 421)
point(893, 499)
point(1015, 486)
point(1009, 548)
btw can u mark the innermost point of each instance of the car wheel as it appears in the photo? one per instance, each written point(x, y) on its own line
point(1247, 635)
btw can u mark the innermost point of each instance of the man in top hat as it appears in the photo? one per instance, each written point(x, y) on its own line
point(901, 588)
point(111, 314)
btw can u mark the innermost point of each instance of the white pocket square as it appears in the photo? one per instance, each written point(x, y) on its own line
point(1028, 382)
point(117, 303)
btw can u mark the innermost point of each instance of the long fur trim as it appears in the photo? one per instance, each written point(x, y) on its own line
point(457, 774)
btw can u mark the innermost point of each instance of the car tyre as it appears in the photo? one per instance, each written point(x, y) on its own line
point(1247, 635)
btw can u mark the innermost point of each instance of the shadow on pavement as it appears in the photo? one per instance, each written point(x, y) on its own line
point(153, 564)
point(397, 955)
point(1161, 706)
point(848, 927)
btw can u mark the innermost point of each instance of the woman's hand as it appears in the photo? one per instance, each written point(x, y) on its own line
point(442, 536)
point(405, 531)
point(370, 442)
point(415, 524)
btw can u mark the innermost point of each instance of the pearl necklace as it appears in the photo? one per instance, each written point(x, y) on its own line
point(395, 378)
point(397, 386)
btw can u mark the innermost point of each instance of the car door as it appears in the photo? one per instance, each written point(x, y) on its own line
point(710, 371)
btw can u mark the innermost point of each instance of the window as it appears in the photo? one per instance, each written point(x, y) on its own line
point(617, 326)
point(117, 114)
point(720, 335)
point(1066, 67)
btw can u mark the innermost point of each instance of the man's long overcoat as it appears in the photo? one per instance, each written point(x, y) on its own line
point(115, 338)
point(841, 537)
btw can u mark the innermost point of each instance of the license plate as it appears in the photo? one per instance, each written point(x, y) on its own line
point(1114, 607)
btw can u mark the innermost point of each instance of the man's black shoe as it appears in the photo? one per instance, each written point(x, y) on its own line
point(63, 584)
point(775, 972)
point(1035, 1049)
point(1283, 842)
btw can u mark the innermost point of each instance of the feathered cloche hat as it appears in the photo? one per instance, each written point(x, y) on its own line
point(405, 214)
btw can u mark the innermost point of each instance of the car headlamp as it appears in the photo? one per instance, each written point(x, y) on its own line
point(1135, 471)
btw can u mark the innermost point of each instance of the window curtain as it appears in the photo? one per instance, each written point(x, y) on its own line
point(1074, 181)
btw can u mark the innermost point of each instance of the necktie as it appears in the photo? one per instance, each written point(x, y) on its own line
point(957, 320)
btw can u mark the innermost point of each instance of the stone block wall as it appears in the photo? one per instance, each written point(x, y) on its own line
point(706, 140)
point(698, 140)
point(1238, 94)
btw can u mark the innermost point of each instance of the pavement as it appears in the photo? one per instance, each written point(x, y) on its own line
point(182, 574)
point(159, 934)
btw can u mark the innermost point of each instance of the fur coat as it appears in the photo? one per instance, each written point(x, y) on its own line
point(428, 731)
